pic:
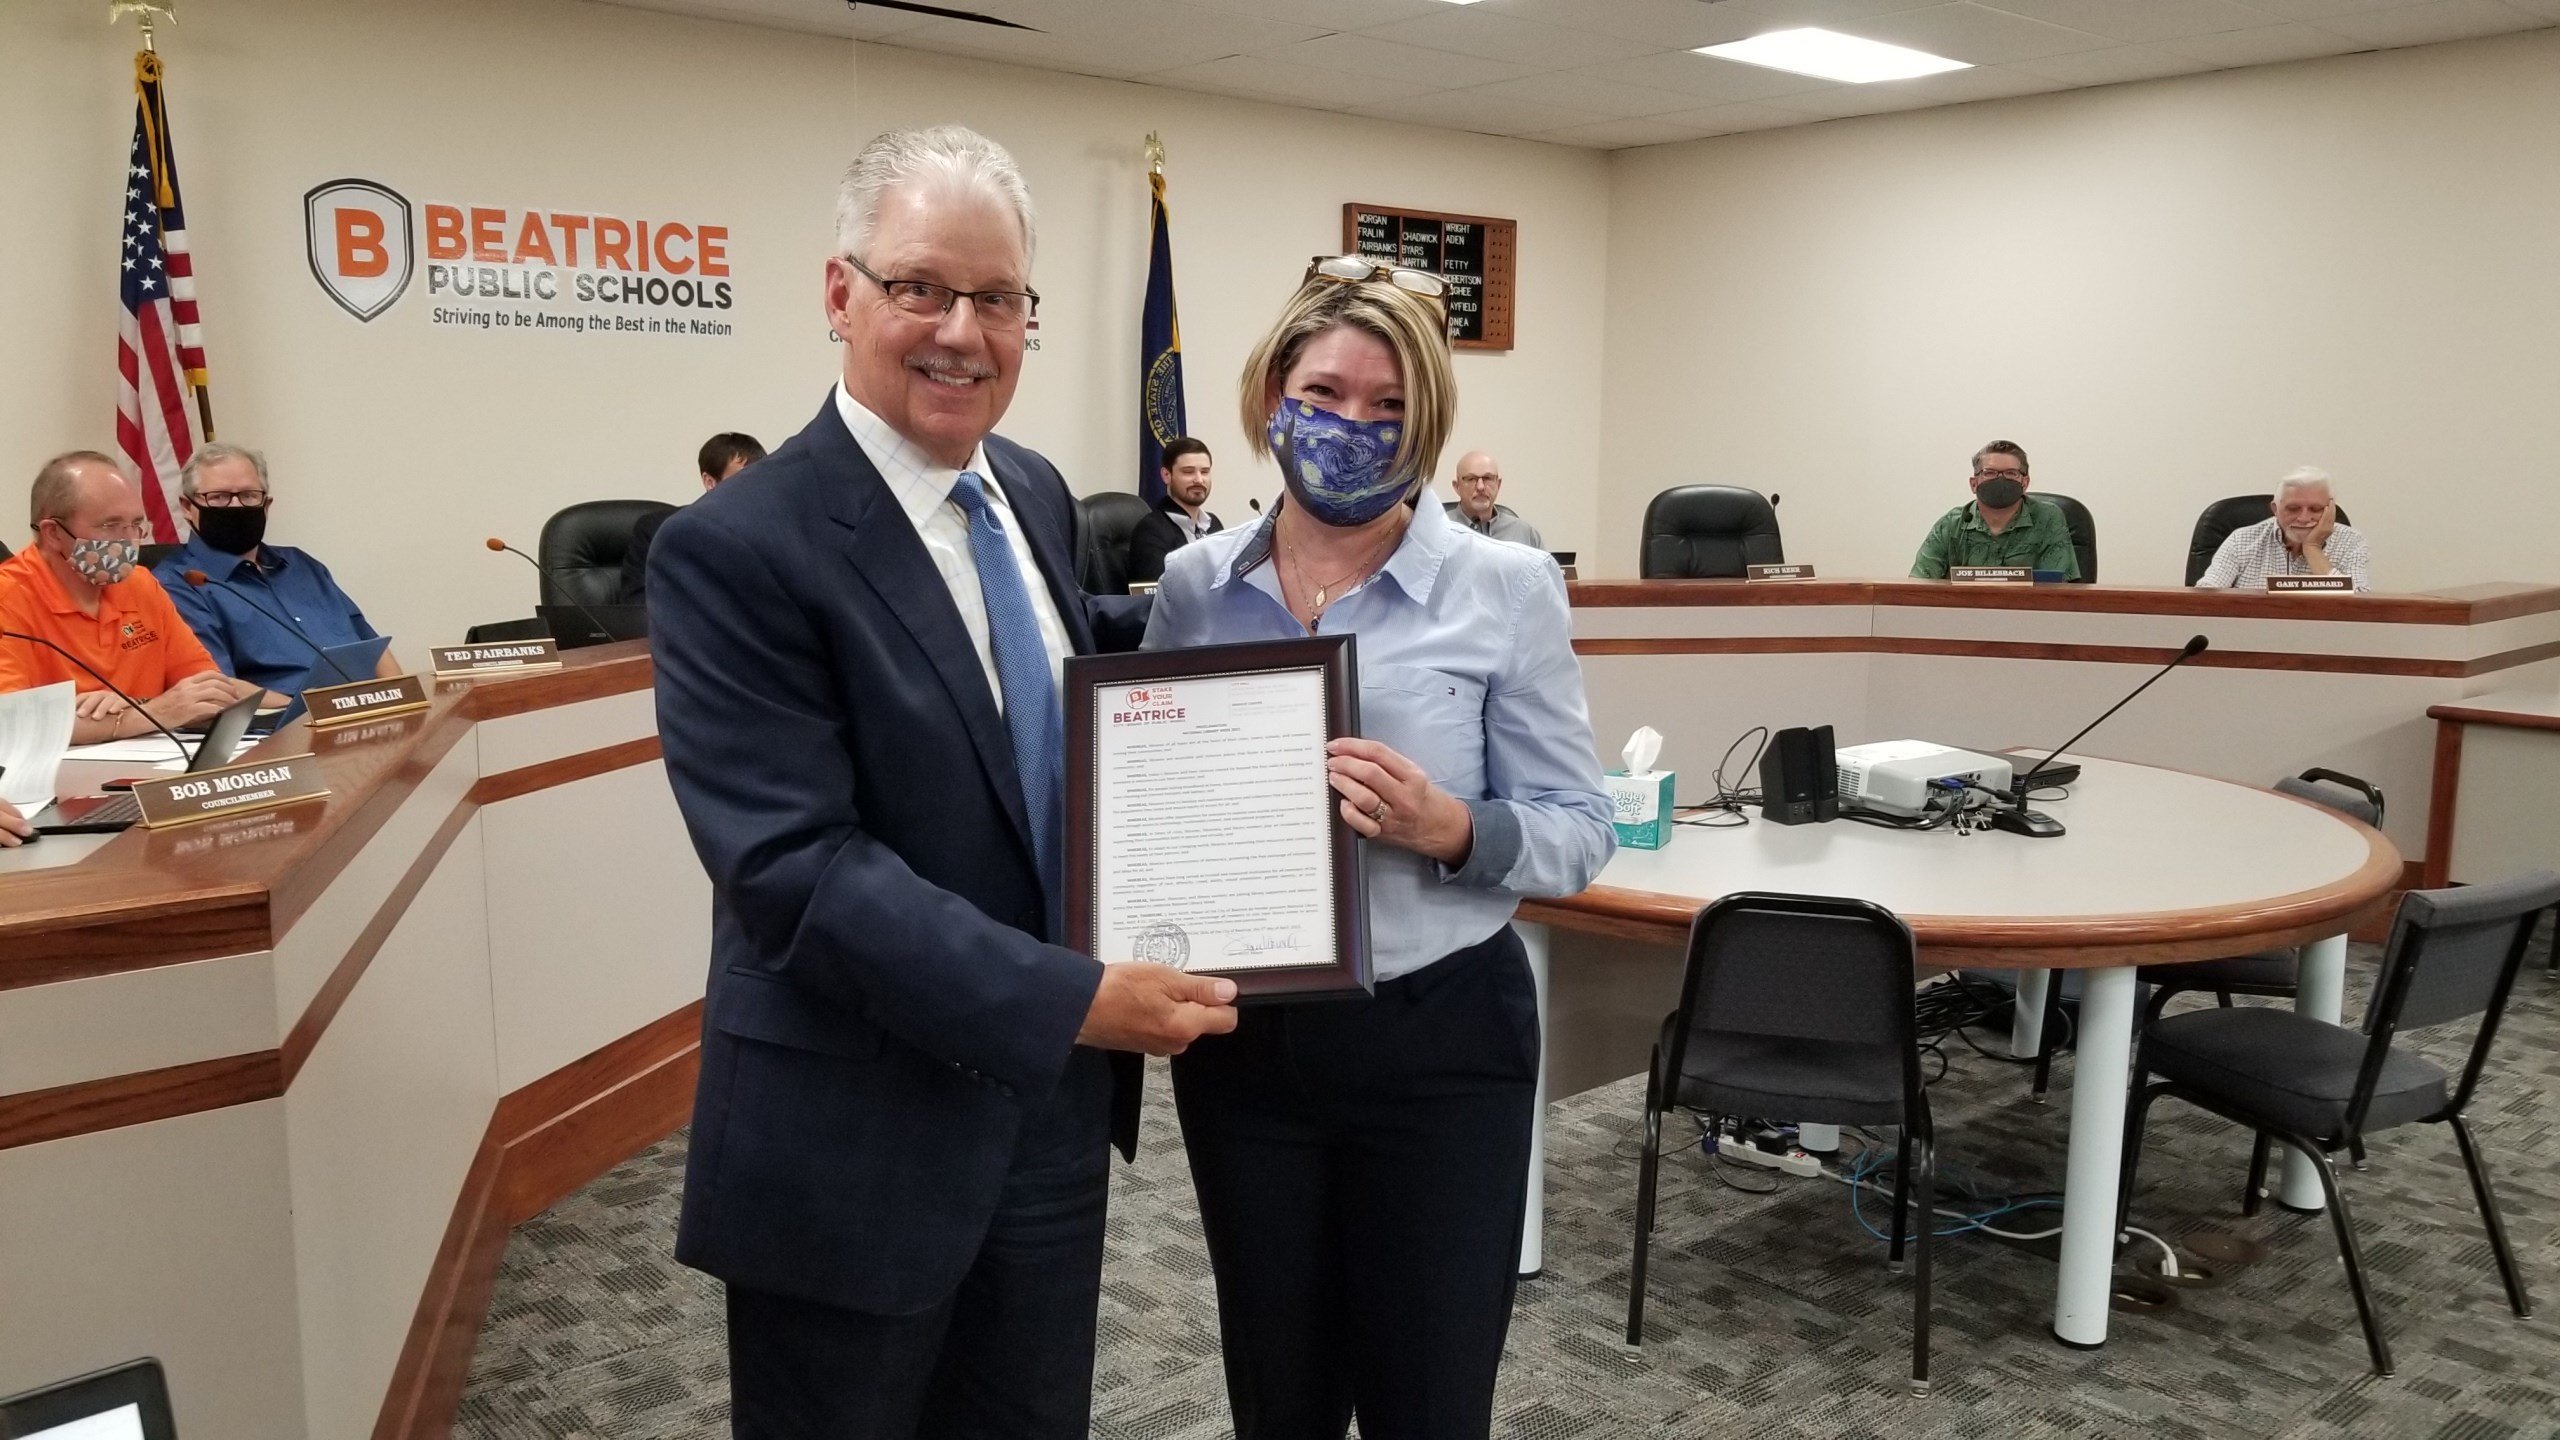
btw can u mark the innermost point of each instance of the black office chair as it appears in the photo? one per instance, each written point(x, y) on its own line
point(1109, 519)
point(2319, 1087)
point(532, 627)
point(153, 554)
point(2267, 973)
point(2084, 532)
point(2221, 518)
point(1695, 531)
point(1798, 1006)
point(582, 549)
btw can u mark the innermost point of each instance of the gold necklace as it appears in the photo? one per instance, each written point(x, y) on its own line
point(1316, 606)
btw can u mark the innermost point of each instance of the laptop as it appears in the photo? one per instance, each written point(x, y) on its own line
point(128, 1402)
point(577, 626)
point(345, 664)
point(107, 814)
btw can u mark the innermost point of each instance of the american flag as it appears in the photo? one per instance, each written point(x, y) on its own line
point(160, 342)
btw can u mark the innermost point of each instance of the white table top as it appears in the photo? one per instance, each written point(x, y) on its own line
point(2151, 856)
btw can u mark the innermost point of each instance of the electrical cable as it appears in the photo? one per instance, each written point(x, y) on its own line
point(1729, 799)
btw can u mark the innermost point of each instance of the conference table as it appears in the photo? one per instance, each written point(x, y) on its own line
point(2158, 866)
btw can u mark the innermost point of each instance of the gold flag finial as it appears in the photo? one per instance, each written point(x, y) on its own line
point(149, 12)
point(1155, 154)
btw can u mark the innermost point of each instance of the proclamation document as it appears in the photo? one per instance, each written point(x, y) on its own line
point(1209, 839)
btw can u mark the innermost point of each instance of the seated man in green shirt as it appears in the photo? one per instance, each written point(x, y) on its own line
point(1999, 525)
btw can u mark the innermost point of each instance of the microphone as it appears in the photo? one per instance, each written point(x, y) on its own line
point(544, 571)
point(183, 752)
point(1256, 504)
point(2195, 646)
point(199, 580)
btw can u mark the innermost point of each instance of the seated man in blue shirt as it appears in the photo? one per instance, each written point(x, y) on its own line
point(222, 495)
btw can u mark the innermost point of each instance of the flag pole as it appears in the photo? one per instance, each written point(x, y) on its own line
point(146, 75)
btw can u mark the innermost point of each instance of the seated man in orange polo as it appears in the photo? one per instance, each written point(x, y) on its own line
point(79, 586)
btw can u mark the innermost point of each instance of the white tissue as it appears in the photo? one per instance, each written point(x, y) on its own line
point(1643, 748)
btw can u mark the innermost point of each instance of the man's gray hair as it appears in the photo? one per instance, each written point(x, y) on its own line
point(215, 453)
point(2303, 477)
point(57, 489)
point(948, 156)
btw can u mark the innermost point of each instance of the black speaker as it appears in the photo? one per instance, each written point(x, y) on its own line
point(1800, 777)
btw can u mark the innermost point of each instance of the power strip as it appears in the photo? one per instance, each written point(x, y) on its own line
point(1785, 1162)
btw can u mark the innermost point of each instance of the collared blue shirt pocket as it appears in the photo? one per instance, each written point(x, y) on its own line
point(1435, 718)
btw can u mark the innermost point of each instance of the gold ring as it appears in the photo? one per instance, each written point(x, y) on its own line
point(1380, 814)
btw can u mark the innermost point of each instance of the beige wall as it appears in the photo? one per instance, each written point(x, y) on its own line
point(399, 445)
point(2168, 292)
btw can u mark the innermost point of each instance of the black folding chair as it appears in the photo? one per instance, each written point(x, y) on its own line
point(2320, 1087)
point(1798, 1007)
point(2267, 973)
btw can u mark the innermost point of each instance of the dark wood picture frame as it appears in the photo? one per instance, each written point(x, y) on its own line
point(1336, 657)
point(1493, 289)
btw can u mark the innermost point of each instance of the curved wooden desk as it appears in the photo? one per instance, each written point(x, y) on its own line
point(2159, 866)
point(274, 1087)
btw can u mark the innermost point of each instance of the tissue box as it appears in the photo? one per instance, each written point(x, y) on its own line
point(1642, 806)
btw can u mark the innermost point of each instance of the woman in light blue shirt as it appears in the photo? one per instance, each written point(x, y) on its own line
point(1362, 1165)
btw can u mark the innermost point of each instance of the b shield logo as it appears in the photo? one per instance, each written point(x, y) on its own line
point(358, 234)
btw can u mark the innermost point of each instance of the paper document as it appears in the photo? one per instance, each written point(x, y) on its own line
point(1212, 823)
point(35, 730)
point(151, 749)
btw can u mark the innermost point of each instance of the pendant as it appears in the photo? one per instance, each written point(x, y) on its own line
point(1319, 601)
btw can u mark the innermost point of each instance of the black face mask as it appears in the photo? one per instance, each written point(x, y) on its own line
point(232, 529)
point(2000, 492)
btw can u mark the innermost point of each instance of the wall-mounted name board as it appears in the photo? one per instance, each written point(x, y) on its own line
point(1475, 253)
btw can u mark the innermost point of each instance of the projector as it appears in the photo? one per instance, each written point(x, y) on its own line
point(1894, 777)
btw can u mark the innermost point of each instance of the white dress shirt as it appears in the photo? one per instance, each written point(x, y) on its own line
point(923, 488)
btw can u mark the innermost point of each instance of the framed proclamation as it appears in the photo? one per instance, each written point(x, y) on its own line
point(1201, 832)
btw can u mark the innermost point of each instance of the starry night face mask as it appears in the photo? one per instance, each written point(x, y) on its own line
point(1342, 471)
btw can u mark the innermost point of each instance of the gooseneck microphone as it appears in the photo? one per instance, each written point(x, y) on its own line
point(112, 688)
point(200, 580)
point(2195, 646)
point(544, 571)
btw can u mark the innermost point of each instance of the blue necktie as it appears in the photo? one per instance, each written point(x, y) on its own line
point(1031, 713)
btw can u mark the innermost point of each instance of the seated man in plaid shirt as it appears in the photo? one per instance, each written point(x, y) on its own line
point(2302, 537)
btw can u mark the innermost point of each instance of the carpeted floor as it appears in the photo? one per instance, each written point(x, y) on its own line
point(1770, 1315)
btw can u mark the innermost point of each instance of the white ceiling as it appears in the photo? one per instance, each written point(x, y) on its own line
point(1608, 74)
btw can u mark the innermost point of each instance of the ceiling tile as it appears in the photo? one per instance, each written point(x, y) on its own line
point(1705, 77)
point(1485, 114)
point(1323, 14)
point(1109, 37)
point(2265, 45)
point(1367, 55)
point(1579, 90)
point(1821, 12)
point(2323, 9)
point(1976, 34)
point(2113, 65)
point(1734, 119)
point(1499, 37)
point(2148, 20)
point(866, 22)
point(1255, 77)
point(1017, 47)
point(2426, 24)
point(1669, 24)
point(1955, 87)
point(1618, 134)
point(2540, 9)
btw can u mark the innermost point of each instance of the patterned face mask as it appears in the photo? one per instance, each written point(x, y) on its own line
point(1343, 471)
point(104, 562)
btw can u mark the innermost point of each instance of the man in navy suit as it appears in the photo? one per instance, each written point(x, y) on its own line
point(901, 1135)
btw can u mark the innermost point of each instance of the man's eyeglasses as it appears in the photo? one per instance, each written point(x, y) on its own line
point(996, 309)
point(1359, 269)
point(230, 499)
point(1995, 474)
point(111, 530)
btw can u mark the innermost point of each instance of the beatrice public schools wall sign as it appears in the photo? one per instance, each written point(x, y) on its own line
point(509, 269)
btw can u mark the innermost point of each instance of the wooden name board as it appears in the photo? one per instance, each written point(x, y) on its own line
point(1992, 574)
point(1475, 253)
point(1777, 572)
point(364, 700)
point(231, 790)
point(2298, 584)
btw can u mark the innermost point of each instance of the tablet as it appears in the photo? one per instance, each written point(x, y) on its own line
point(129, 1402)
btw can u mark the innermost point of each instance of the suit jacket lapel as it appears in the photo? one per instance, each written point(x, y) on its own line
point(890, 558)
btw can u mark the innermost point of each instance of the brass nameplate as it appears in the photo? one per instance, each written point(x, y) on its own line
point(2297, 584)
point(1991, 574)
point(497, 657)
point(1777, 572)
point(1143, 587)
point(364, 700)
point(231, 790)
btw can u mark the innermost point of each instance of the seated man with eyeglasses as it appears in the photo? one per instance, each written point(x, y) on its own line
point(252, 587)
point(78, 587)
point(2000, 525)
